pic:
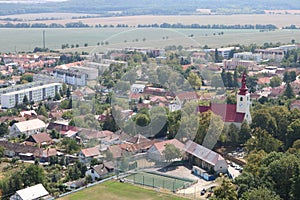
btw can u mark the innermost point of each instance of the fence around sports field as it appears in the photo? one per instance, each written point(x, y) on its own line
point(159, 180)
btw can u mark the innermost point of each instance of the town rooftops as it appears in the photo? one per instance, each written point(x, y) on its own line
point(30, 125)
point(33, 192)
point(202, 152)
point(90, 152)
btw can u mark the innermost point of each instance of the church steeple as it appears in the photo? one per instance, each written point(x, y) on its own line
point(243, 89)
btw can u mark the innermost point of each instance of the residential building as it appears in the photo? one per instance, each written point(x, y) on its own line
point(271, 54)
point(235, 62)
point(23, 151)
point(100, 171)
point(31, 193)
point(156, 150)
point(28, 128)
point(36, 94)
point(137, 88)
point(86, 155)
point(40, 139)
point(205, 158)
point(71, 76)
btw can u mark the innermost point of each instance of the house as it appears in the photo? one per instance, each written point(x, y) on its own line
point(100, 171)
point(31, 193)
point(205, 158)
point(23, 151)
point(137, 88)
point(184, 97)
point(295, 105)
point(27, 113)
point(156, 150)
point(86, 155)
point(116, 151)
point(233, 113)
point(29, 127)
point(72, 185)
point(40, 139)
point(47, 153)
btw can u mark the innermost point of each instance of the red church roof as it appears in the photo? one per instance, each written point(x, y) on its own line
point(226, 111)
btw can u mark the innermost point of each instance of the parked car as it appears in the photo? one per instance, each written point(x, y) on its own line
point(203, 191)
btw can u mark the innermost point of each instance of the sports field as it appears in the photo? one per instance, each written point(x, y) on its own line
point(158, 181)
point(112, 190)
point(118, 38)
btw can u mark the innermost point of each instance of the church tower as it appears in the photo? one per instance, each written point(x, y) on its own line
point(243, 100)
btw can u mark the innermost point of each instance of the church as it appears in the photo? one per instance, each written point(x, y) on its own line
point(231, 113)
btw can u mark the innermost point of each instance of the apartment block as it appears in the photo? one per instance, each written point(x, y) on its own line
point(38, 93)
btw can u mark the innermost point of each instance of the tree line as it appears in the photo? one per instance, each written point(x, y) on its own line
point(163, 25)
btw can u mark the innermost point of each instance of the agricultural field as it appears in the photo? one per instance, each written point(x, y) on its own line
point(278, 20)
point(117, 38)
point(119, 191)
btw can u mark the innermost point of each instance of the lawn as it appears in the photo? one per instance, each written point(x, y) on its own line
point(112, 190)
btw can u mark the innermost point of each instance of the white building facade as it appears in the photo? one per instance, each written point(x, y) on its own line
point(36, 94)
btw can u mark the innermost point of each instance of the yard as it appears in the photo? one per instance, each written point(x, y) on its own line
point(119, 191)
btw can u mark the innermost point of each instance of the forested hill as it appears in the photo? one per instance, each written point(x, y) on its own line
point(137, 7)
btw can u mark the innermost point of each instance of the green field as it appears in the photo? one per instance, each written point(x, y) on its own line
point(112, 190)
point(118, 38)
point(158, 181)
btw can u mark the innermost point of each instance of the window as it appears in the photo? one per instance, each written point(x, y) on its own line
point(241, 98)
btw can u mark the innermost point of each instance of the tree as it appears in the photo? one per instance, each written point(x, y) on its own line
point(275, 81)
point(262, 140)
point(293, 133)
point(194, 80)
point(3, 129)
point(289, 92)
point(42, 110)
point(217, 59)
point(25, 100)
point(226, 190)
point(245, 132)
point(94, 162)
point(70, 145)
point(57, 96)
point(26, 78)
point(260, 194)
point(142, 119)
point(32, 175)
point(171, 152)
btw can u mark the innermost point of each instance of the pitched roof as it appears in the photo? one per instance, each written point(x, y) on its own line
point(100, 169)
point(160, 146)
point(226, 111)
point(187, 96)
point(139, 138)
point(28, 112)
point(202, 152)
point(33, 192)
point(30, 125)
point(41, 137)
point(115, 150)
point(89, 152)
point(20, 148)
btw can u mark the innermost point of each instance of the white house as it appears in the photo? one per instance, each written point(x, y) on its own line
point(100, 171)
point(156, 150)
point(137, 88)
point(31, 193)
point(29, 127)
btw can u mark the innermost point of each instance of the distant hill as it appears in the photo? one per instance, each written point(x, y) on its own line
point(138, 7)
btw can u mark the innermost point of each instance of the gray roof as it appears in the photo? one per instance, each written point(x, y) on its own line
point(202, 153)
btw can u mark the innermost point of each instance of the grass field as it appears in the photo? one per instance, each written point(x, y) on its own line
point(279, 20)
point(157, 181)
point(112, 190)
point(27, 39)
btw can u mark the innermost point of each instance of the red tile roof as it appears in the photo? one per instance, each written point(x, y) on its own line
point(89, 152)
point(160, 146)
point(187, 96)
point(226, 111)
